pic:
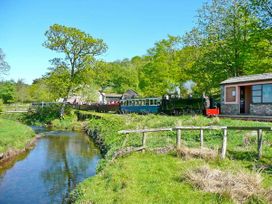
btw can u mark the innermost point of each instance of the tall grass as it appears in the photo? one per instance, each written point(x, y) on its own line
point(241, 144)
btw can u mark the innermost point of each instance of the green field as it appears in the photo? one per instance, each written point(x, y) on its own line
point(14, 135)
point(158, 178)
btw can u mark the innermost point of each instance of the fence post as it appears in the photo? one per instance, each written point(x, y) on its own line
point(260, 142)
point(144, 140)
point(178, 138)
point(224, 145)
point(201, 137)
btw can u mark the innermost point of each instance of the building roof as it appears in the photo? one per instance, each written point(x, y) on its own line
point(248, 78)
point(130, 91)
point(113, 95)
point(130, 94)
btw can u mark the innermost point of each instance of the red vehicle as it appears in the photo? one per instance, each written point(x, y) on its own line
point(211, 107)
point(211, 112)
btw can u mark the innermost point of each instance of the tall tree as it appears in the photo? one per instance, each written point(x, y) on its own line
point(162, 70)
point(263, 10)
point(57, 80)
point(8, 91)
point(231, 41)
point(79, 49)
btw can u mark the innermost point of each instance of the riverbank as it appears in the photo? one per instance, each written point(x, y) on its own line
point(57, 163)
point(15, 139)
point(148, 177)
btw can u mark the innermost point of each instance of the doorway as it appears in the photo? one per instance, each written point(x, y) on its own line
point(245, 99)
point(242, 100)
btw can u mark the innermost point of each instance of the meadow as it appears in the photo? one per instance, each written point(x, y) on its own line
point(150, 177)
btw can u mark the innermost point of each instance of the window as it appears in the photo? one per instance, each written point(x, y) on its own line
point(267, 93)
point(262, 93)
point(257, 94)
point(231, 94)
point(147, 102)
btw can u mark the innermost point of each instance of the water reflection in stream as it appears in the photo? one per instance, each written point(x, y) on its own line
point(51, 170)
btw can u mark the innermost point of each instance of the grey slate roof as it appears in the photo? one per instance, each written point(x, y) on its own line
point(248, 78)
point(113, 95)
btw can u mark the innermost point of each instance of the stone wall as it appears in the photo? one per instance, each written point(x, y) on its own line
point(222, 88)
point(261, 109)
point(230, 109)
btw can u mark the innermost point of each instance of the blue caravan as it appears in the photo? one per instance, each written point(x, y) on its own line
point(141, 105)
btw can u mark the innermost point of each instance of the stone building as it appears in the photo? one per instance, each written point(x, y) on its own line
point(130, 94)
point(250, 95)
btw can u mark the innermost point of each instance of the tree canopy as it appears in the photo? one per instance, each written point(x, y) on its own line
point(4, 66)
point(79, 49)
point(229, 38)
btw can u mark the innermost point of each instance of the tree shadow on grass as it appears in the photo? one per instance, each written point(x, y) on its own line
point(243, 155)
point(267, 169)
point(264, 164)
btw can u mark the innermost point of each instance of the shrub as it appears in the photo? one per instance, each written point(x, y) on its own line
point(1, 105)
point(45, 114)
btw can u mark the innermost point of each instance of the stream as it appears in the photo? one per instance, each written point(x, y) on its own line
point(50, 171)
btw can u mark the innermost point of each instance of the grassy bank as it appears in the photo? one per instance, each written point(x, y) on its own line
point(14, 135)
point(158, 178)
point(69, 122)
point(153, 178)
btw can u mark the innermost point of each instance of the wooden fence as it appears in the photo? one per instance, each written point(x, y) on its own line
point(225, 129)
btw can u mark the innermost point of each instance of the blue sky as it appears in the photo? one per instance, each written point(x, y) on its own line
point(129, 27)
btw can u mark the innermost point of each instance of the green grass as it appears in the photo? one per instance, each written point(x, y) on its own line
point(14, 135)
point(110, 124)
point(144, 178)
point(152, 178)
point(69, 122)
point(16, 107)
point(13, 116)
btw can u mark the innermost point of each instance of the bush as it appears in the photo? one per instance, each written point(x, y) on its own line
point(1, 105)
point(45, 114)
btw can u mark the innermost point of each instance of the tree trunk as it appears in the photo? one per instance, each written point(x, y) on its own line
point(62, 110)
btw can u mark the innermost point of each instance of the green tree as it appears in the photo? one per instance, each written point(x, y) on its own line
point(231, 42)
point(22, 91)
point(162, 69)
point(116, 76)
point(8, 91)
point(88, 92)
point(79, 49)
point(57, 81)
point(262, 9)
point(124, 76)
point(39, 91)
point(260, 57)
point(103, 75)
